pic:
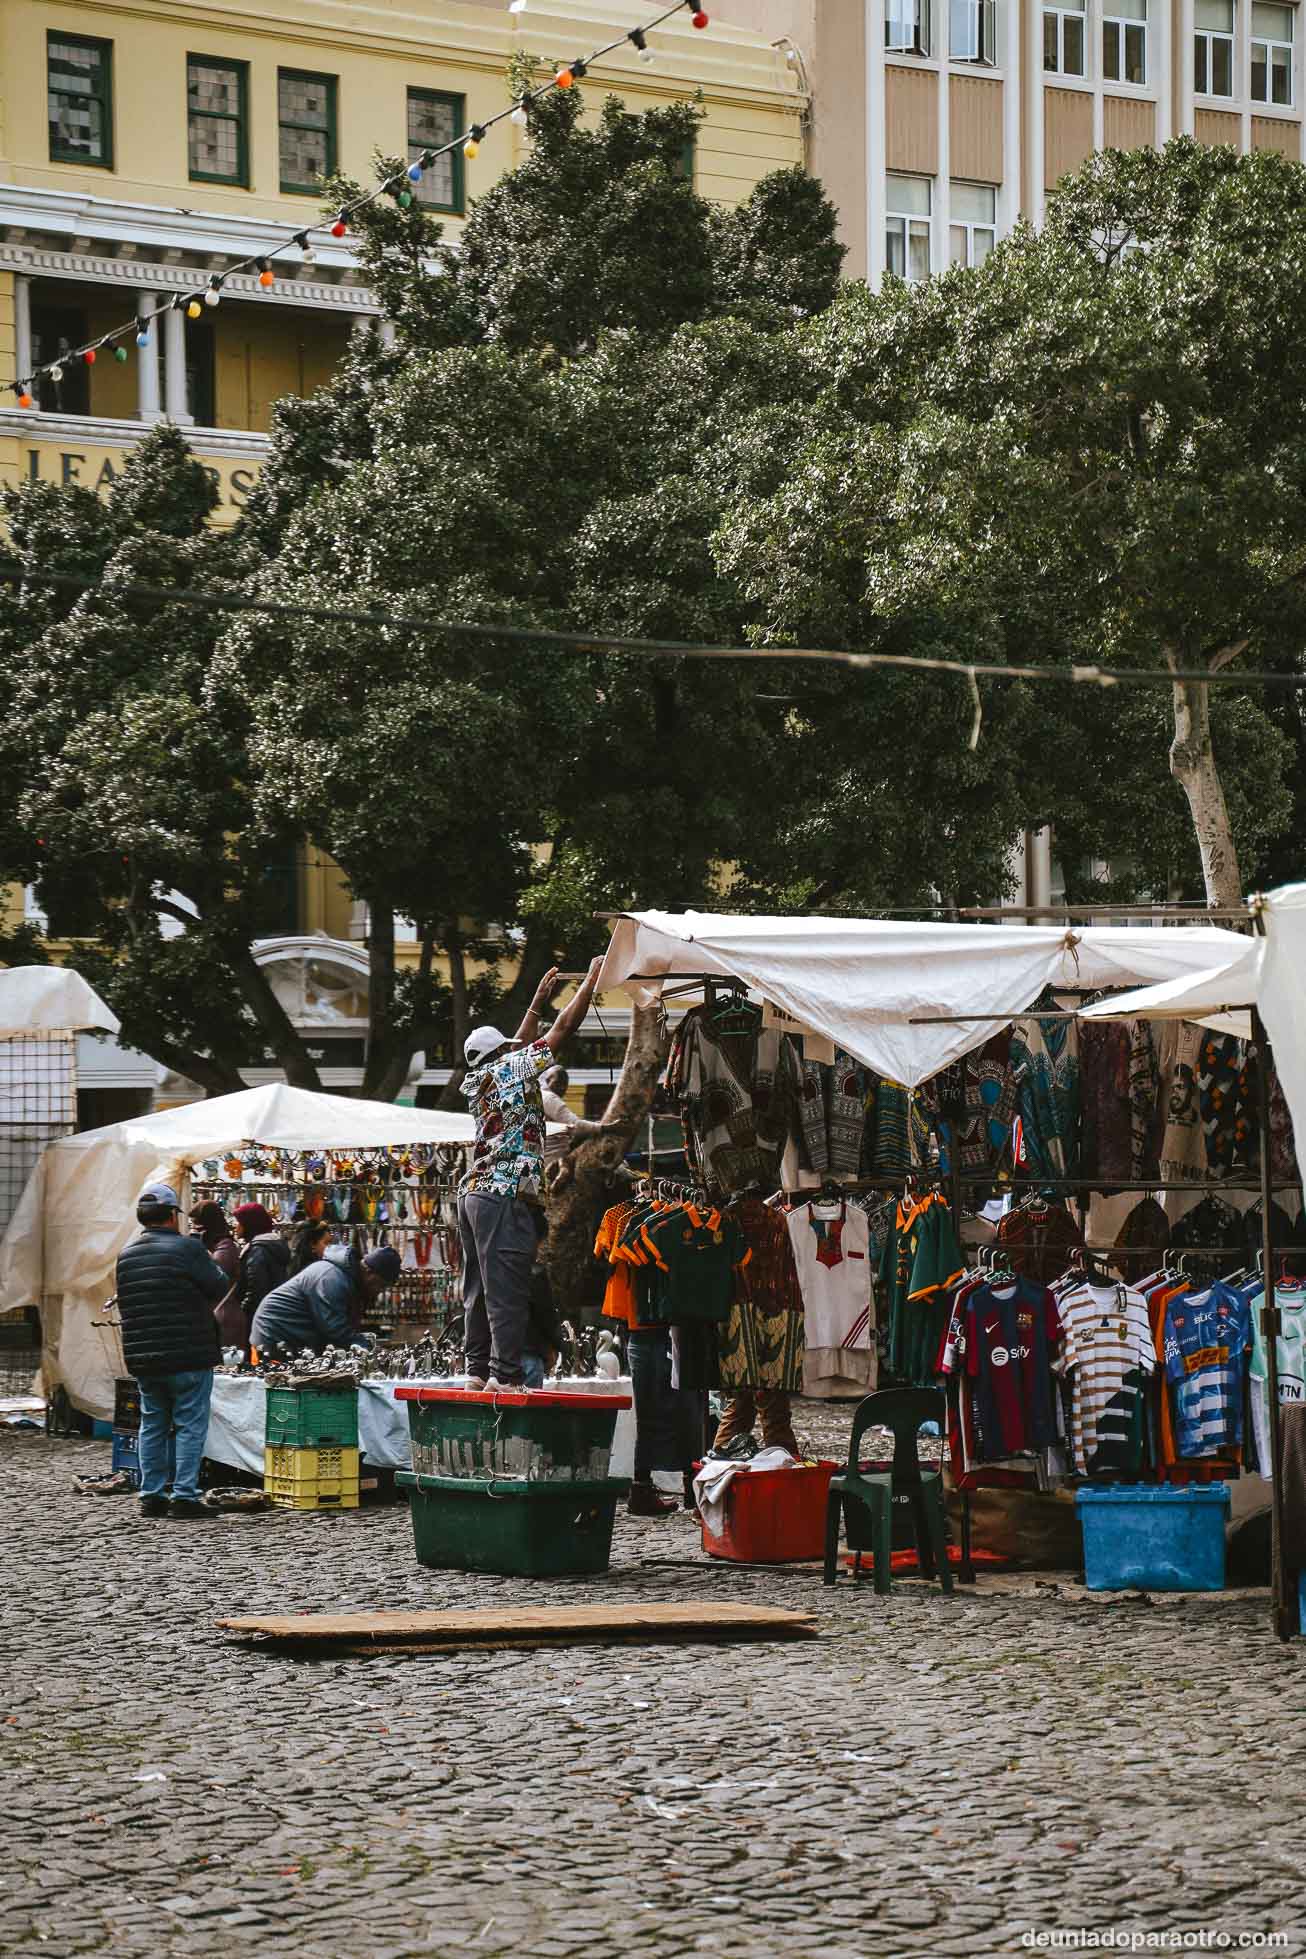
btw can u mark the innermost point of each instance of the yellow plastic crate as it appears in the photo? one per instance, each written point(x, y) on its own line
point(312, 1479)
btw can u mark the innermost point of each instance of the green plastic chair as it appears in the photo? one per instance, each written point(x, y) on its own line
point(866, 1501)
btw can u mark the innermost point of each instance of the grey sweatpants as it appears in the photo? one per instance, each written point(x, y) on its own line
point(498, 1238)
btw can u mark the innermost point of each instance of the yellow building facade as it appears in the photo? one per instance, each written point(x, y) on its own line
point(145, 148)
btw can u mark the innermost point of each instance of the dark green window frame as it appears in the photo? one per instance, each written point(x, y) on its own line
point(102, 93)
point(241, 119)
point(330, 87)
point(685, 165)
point(458, 103)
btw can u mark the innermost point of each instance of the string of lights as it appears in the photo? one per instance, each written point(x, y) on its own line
point(566, 641)
point(398, 185)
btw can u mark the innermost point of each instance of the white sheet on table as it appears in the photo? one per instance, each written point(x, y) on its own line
point(239, 1412)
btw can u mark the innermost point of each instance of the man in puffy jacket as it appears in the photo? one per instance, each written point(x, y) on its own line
point(318, 1307)
point(168, 1287)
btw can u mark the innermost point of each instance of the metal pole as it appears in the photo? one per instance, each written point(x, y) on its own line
point(1283, 1616)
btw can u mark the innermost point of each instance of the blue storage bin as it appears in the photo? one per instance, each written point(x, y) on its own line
point(1149, 1537)
point(127, 1454)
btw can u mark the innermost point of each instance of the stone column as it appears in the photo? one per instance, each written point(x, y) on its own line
point(174, 325)
point(147, 363)
point(22, 327)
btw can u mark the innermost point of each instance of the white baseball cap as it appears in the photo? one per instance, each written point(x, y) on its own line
point(161, 1196)
point(483, 1041)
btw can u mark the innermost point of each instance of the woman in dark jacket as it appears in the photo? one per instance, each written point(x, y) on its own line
point(264, 1258)
point(209, 1222)
point(311, 1240)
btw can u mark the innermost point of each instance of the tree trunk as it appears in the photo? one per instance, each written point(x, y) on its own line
point(451, 1095)
point(1193, 766)
point(283, 1038)
point(586, 1177)
point(380, 995)
point(538, 954)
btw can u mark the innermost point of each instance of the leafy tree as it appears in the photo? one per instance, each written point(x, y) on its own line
point(1091, 450)
point(125, 791)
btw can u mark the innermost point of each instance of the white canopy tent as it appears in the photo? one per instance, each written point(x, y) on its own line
point(892, 993)
point(50, 1000)
point(79, 1207)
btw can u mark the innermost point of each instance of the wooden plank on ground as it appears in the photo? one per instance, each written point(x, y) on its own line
point(564, 1625)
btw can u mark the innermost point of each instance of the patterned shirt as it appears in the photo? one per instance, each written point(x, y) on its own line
point(507, 1104)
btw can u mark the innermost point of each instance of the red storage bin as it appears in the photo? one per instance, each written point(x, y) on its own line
point(774, 1517)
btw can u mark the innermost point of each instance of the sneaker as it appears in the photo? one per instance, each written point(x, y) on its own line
point(493, 1386)
point(188, 1506)
point(474, 1384)
point(646, 1501)
point(153, 1506)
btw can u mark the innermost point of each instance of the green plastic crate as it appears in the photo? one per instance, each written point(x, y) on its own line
point(540, 1436)
point(309, 1418)
point(517, 1529)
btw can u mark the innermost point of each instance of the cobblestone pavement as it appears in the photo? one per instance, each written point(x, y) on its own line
point(932, 1776)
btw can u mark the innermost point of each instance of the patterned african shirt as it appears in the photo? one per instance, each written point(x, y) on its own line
point(508, 1107)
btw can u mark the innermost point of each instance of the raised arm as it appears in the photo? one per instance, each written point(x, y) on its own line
point(544, 992)
point(576, 1008)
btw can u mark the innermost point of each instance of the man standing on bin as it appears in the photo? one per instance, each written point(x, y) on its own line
point(506, 1178)
point(168, 1287)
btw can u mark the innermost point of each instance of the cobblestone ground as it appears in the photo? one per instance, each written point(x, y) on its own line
point(931, 1776)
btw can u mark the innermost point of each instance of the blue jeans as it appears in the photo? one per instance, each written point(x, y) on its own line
point(179, 1401)
point(532, 1369)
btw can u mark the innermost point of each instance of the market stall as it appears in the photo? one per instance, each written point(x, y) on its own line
point(934, 1080)
point(78, 1209)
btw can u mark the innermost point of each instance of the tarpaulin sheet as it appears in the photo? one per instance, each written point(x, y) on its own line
point(865, 983)
point(45, 999)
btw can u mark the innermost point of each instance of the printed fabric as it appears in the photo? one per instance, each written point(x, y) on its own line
point(1038, 1239)
point(1183, 1144)
point(831, 1245)
point(739, 1094)
point(762, 1341)
point(1208, 1337)
point(508, 1109)
point(1107, 1133)
point(1220, 1091)
point(1045, 1063)
point(1144, 1102)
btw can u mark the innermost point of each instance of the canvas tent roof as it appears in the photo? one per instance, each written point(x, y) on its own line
point(50, 999)
point(78, 1210)
point(866, 984)
point(1220, 998)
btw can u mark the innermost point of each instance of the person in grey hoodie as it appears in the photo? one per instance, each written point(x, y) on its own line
point(320, 1306)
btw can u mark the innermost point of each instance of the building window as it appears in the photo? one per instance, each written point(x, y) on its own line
point(79, 83)
point(973, 223)
point(1213, 47)
point(907, 26)
point(1272, 54)
point(973, 31)
point(434, 120)
point(683, 167)
point(1063, 39)
point(907, 227)
point(306, 129)
point(216, 122)
point(1124, 42)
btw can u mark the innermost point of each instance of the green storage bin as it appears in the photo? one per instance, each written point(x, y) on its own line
point(516, 1529)
point(538, 1436)
point(311, 1418)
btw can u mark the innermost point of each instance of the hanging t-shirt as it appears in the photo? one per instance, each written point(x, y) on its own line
point(1208, 1336)
point(1011, 1334)
point(619, 1301)
point(1291, 1355)
point(1108, 1352)
point(697, 1254)
point(920, 1262)
point(831, 1247)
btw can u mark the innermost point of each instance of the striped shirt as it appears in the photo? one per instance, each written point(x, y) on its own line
point(1107, 1353)
point(1207, 1338)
